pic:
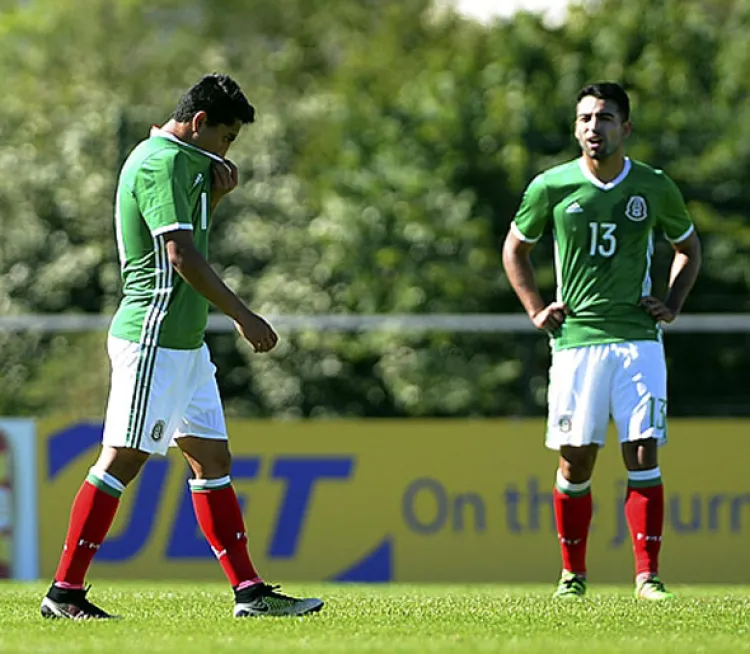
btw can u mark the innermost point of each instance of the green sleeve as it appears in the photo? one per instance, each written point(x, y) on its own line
point(673, 215)
point(161, 190)
point(534, 212)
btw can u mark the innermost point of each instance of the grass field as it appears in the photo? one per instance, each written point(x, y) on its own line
point(186, 618)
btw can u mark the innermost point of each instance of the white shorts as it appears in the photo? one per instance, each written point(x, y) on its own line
point(158, 395)
point(590, 384)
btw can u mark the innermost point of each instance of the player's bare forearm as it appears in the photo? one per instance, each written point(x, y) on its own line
point(196, 271)
point(517, 264)
point(520, 273)
point(523, 281)
point(684, 271)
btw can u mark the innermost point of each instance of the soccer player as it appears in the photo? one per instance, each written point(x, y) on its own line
point(163, 389)
point(607, 353)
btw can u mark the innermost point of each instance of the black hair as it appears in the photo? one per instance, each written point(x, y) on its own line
point(608, 91)
point(220, 97)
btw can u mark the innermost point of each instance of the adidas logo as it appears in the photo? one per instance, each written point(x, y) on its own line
point(574, 208)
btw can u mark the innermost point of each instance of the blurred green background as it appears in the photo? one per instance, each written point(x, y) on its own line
point(394, 140)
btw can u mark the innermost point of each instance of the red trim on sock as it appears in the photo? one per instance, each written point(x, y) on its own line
point(220, 518)
point(573, 517)
point(91, 517)
point(644, 511)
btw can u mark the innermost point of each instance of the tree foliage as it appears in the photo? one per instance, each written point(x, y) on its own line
point(392, 146)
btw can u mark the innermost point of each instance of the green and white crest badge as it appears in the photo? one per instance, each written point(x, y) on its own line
point(637, 209)
point(158, 431)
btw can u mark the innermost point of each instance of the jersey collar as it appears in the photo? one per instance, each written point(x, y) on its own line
point(605, 186)
point(156, 131)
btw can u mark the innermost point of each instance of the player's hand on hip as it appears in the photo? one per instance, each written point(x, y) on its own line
point(657, 309)
point(224, 177)
point(257, 332)
point(551, 317)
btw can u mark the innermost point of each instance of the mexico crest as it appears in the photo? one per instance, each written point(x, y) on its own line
point(158, 431)
point(637, 209)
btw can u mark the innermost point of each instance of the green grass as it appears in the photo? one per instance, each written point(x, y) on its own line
point(186, 618)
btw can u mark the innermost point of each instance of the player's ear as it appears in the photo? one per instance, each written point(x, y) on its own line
point(200, 120)
point(627, 128)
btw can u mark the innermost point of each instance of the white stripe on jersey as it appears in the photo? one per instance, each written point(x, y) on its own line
point(163, 287)
point(682, 237)
point(118, 230)
point(558, 272)
point(171, 228)
point(204, 211)
point(520, 235)
point(646, 287)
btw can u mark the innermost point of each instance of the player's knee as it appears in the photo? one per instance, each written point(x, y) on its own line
point(222, 464)
point(214, 462)
point(576, 473)
point(641, 455)
point(123, 463)
point(577, 464)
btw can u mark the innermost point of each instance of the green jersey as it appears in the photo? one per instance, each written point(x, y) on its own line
point(164, 185)
point(603, 237)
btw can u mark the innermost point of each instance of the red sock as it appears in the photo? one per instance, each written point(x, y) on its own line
point(91, 516)
point(573, 516)
point(644, 510)
point(220, 518)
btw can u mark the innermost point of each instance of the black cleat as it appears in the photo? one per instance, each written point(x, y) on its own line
point(262, 599)
point(72, 604)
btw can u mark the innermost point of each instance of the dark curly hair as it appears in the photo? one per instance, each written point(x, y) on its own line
point(220, 97)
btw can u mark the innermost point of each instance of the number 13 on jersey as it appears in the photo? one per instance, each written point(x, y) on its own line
point(603, 240)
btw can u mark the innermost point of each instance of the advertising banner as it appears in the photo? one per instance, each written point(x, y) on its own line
point(442, 501)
